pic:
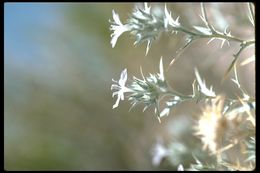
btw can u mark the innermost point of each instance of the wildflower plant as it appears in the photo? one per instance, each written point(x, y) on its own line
point(224, 122)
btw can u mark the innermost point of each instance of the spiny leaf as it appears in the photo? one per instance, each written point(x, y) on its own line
point(229, 69)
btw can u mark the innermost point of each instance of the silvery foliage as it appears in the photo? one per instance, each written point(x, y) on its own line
point(146, 25)
point(250, 150)
point(146, 90)
point(149, 90)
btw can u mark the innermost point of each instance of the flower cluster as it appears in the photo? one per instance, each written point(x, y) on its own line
point(120, 87)
point(146, 90)
point(144, 24)
point(211, 125)
point(149, 88)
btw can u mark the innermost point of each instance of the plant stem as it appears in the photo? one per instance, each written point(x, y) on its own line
point(216, 35)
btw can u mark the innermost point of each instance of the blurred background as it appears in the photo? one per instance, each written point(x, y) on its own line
point(58, 70)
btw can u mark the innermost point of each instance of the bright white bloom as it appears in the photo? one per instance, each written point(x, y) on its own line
point(120, 87)
point(206, 129)
point(212, 125)
point(118, 28)
point(203, 87)
point(169, 20)
point(159, 152)
point(180, 168)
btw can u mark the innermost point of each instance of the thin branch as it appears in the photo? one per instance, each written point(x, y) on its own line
point(178, 52)
point(204, 15)
point(216, 34)
point(157, 111)
point(242, 47)
point(251, 12)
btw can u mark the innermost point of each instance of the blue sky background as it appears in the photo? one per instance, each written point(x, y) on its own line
point(58, 69)
point(23, 22)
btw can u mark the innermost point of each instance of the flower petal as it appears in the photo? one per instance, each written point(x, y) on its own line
point(118, 30)
point(117, 103)
point(114, 86)
point(116, 18)
point(123, 78)
point(121, 94)
point(115, 93)
point(180, 168)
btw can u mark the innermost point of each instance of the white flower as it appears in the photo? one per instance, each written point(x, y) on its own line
point(203, 87)
point(169, 20)
point(212, 125)
point(180, 168)
point(120, 87)
point(118, 28)
point(159, 152)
